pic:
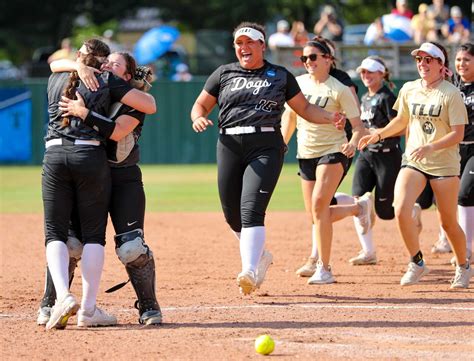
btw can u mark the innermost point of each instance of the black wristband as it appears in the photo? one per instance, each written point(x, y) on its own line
point(102, 125)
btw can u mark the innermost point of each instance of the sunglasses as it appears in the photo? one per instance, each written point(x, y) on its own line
point(311, 57)
point(427, 59)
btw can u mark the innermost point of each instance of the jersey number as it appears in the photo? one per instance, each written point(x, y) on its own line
point(265, 105)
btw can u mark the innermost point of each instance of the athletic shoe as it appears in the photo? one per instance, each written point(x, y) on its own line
point(98, 318)
point(321, 275)
point(247, 282)
point(44, 314)
point(265, 261)
point(308, 269)
point(365, 220)
point(363, 259)
point(441, 246)
point(61, 311)
point(416, 215)
point(413, 274)
point(461, 277)
point(152, 317)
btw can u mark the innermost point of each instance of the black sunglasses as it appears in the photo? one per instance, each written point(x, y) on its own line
point(311, 57)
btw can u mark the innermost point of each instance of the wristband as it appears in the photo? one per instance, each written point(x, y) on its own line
point(101, 124)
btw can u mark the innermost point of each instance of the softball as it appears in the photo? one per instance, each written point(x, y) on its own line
point(264, 344)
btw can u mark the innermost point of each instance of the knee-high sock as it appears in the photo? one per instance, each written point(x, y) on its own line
point(252, 243)
point(343, 199)
point(366, 240)
point(314, 248)
point(466, 221)
point(57, 256)
point(92, 264)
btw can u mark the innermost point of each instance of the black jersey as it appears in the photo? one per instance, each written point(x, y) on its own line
point(467, 92)
point(111, 89)
point(125, 152)
point(377, 111)
point(251, 97)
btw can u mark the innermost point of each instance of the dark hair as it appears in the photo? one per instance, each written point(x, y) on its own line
point(469, 47)
point(445, 53)
point(95, 48)
point(386, 74)
point(247, 24)
point(328, 47)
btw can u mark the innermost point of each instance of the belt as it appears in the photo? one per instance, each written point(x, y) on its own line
point(64, 141)
point(467, 142)
point(380, 150)
point(246, 130)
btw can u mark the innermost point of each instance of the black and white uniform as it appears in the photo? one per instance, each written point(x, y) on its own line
point(250, 149)
point(75, 167)
point(378, 164)
point(466, 149)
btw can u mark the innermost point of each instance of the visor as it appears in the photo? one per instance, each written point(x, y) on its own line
point(252, 33)
point(371, 65)
point(431, 49)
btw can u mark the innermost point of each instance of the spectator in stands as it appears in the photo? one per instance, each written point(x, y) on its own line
point(182, 73)
point(401, 8)
point(423, 26)
point(66, 51)
point(299, 33)
point(439, 12)
point(329, 26)
point(282, 37)
point(456, 30)
point(375, 33)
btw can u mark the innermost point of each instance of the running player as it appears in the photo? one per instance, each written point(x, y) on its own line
point(433, 110)
point(251, 95)
point(324, 152)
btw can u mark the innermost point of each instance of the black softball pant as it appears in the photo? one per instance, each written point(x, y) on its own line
point(466, 190)
point(248, 168)
point(379, 170)
point(127, 202)
point(75, 176)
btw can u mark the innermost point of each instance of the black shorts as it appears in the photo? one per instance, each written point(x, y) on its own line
point(429, 176)
point(308, 167)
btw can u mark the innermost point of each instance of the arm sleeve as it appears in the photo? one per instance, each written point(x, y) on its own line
point(212, 85)
point(118, 87)
point(292, 86)
point(103, 125)
point(456, 109)
point(401, 105)
point(348, 103)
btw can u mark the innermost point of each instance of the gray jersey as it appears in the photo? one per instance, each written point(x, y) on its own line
point(251, 97)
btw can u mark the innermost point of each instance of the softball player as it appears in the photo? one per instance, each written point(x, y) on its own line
point(76, 173)
point(251, 94)
point(464, 64)
point(127, 207)
point(324, 152)
point(433, 110)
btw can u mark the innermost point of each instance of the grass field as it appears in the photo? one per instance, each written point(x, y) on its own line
point(169, 188)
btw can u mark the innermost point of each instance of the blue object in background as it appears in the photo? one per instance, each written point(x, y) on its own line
point(15, 122)
point(154, 43)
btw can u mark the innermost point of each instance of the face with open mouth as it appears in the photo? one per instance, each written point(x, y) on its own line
point(249, 52)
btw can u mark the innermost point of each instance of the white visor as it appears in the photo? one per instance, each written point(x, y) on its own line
point(371, 65)
point(252, 33)
point(431, 49)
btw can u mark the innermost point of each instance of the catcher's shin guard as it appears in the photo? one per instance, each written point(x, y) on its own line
point(49, 296)
point(142, 275)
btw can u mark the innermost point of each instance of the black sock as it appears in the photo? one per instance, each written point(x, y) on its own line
point(418, 259)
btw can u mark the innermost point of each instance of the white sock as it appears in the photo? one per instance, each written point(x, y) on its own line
point(366, 240)
point(92, 264)
point(466, 221)
point(252, 243)
point(314, 248)
point(57, 256)
point(236, 234)
point(343, 199)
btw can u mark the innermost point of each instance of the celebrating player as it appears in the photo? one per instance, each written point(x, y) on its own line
point(251, 94)
point(433, 110)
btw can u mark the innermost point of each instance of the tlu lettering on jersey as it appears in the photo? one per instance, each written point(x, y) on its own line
point(322, 101)
point(426, 109)
point(241, 83)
